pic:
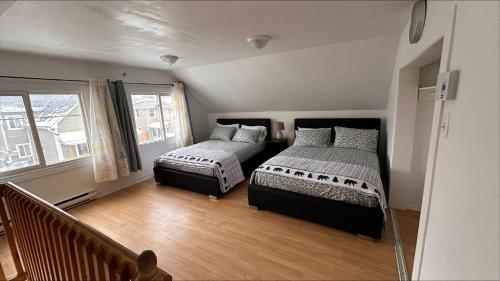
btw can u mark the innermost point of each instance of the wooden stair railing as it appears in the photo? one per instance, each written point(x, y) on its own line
point(47, 243)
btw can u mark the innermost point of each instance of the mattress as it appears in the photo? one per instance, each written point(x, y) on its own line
point(242, 150)
point(342, 174)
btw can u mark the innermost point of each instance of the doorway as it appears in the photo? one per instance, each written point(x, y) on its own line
point(408, 220)
point(416, 120)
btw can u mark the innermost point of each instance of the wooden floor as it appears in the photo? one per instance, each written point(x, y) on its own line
point(196, 238)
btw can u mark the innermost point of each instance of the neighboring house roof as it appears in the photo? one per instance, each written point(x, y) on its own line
point(72, 138)
point(49, 117)
point(11, 109)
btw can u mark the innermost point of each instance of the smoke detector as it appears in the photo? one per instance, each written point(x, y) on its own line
point(170, 59)
point(258, 41)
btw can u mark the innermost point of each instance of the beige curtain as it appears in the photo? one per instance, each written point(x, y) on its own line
point(108, 153)
point(183, 133)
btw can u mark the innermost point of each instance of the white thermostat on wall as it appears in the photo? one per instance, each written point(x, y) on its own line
point(446, 86)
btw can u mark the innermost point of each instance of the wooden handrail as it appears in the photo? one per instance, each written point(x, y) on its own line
point(47, 243)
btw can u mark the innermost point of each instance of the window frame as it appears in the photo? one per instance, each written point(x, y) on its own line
point(154, 112)
point(38, 149)
point(23, 145)
point(158, 95)
point(14, 117)
point(163, 117)
point(78, 151)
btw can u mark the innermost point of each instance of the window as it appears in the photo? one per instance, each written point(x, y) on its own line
point(59, 133)
point(13, 138)
point(82, 149)
point(23, 150)
point(155, 134)
point(152, 112)
point(153, 122)
point(60, 127)
point(168, 116)
point(15, 122)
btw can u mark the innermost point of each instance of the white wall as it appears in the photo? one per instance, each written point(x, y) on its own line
point(288, 117)
point(421, 141)
point(423, 125)
point(345, 76)
point(459, 227)
point(58, 184)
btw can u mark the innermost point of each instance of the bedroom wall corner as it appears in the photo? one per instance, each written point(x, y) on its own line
point(199, 115)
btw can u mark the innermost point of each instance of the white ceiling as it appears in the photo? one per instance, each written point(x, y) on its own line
point(343, 76)
point(200, 32)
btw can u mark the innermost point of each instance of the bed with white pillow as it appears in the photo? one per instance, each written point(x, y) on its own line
point(235, 148)
point(333, 174)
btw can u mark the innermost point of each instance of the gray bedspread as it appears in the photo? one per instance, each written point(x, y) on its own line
point(228, 153)
point(342, 174)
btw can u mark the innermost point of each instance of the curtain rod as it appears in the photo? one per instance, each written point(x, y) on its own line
point(75, 80)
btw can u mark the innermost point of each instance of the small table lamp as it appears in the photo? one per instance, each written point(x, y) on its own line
point(278, 127)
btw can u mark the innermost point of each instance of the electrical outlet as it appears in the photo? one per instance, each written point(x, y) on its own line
point(445, 125)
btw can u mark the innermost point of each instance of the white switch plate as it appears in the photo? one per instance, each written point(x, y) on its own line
point(445, 124)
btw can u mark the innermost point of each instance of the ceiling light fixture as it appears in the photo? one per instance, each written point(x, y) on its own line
point(170, 59)
point(258, 41)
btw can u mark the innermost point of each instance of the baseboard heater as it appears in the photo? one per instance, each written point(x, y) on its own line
point(76, 200)
point(69, 203)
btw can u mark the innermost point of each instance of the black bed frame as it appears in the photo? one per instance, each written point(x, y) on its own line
point(357, 219)
point(206, 184)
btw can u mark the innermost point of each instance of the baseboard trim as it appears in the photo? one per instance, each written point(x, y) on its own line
point(414, 207)
point(398, 247)
point(101, 192)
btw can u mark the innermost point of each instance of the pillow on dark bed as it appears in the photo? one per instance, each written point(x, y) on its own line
point(223, 133)
point(247, 135)
point(361, 139)
point(313, 137)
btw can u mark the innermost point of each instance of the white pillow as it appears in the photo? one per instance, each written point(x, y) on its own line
point(231, 125)
point(262, 129)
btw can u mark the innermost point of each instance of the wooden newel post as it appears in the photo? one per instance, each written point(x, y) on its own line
point(146, 267)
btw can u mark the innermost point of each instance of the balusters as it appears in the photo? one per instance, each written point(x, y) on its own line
point(10, 239)
point(55, 246)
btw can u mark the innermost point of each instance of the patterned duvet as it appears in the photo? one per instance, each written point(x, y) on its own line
point(342, 174)
point(201, 158)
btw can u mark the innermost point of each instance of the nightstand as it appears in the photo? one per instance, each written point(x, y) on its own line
point(274, 146)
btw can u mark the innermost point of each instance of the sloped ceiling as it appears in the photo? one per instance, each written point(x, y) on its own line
point(199, 32)
point(344, 76)
point(324, 55)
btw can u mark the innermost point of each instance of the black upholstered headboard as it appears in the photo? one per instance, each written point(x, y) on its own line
point(358, 123)
point(249, 122)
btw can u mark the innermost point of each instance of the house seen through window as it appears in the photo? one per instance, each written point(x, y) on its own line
point(59, 130)
point(153, 117)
